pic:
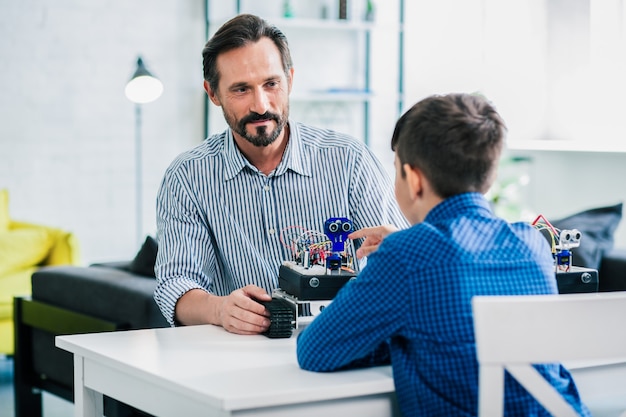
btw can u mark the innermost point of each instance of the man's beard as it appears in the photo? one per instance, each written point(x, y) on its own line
point(262, 138)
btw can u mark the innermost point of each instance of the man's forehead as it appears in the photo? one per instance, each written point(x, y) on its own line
point(253, 62)
point(262, 50)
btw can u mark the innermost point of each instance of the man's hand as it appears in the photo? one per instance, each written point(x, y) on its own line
point(237, 312)
point(373, 238)
point(240, 313)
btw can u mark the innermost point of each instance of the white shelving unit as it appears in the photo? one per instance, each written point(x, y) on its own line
point(556, 145)
point(332, 61)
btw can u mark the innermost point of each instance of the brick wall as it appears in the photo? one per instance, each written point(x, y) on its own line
point(67, 130)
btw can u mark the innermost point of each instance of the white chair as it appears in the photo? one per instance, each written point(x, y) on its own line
point(585, 330)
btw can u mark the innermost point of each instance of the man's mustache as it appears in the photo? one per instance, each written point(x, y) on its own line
point(255, 117)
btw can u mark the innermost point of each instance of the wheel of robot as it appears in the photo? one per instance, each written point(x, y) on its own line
point(281, 319)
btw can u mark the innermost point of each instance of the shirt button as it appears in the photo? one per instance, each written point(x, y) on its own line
point(271, 231)
point(266, 188)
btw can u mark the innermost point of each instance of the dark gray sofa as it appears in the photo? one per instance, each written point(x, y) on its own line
point(612, 271)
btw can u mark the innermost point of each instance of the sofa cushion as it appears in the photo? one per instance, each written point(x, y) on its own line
point(23, 248)
point(597, 227)
point(144, 261)
point(106, 293)
point(612, 271)
point(65, 249)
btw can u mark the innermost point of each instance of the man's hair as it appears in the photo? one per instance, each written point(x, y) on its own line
point(236, 33)
point(455, 140)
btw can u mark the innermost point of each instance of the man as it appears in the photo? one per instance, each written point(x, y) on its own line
point(222, 205)
point(412, 302)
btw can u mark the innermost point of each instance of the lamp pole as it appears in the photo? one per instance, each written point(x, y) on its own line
point(143, 87)
point(138, 176)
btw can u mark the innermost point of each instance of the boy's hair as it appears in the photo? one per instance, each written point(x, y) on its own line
point(237, 32)
point(455, 140)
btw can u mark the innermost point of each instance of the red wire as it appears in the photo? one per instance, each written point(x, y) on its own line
point(546, 222)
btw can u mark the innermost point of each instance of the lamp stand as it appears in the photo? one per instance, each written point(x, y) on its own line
point(138, 177)
point(143, 87)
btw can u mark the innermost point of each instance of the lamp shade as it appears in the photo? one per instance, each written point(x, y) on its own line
point(143, 87)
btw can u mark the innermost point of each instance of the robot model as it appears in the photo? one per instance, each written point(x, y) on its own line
point(569, 278)
point(561, 242)
point(568, 239)
point(309, 282)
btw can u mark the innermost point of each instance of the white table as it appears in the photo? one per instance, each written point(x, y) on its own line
point(206, 371)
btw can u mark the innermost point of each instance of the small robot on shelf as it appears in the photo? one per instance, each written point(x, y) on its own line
point(568, 239)
point(561, 242)
point(308, 283)
point(569, 278)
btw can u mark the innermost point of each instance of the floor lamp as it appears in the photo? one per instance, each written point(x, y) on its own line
point(142, 88)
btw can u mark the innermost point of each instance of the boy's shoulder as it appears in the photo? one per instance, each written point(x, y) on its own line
point(417, 238)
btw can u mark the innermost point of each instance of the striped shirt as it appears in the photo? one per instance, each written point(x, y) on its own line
point(422, 309)
point(219, 219)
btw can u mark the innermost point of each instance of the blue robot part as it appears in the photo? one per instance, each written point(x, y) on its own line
point(337, 230)
point(334, 261)
point(563, 260)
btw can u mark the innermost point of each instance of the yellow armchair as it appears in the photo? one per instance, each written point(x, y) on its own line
point(24, 247)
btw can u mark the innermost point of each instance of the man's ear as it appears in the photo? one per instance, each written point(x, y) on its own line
point(414, 179)
point(290, 79)
point(212, 95)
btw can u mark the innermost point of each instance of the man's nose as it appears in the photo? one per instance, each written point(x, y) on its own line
point(260, 103)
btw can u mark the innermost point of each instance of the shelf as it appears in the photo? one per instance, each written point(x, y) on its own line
point(556, 145)
point(330, 24)
point(317, 24)
point(330, 96)
point(342, 48)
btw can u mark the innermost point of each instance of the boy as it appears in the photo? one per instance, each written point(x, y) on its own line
point(412, 302)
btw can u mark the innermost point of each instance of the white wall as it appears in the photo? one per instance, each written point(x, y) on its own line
point(67, 130)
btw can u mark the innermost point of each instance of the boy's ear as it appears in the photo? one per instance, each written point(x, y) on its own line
point(414, 179)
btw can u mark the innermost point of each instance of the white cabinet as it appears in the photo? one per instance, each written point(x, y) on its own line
point(333, 60)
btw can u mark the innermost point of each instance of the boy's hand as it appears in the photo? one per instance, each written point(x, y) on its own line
point(373, 238)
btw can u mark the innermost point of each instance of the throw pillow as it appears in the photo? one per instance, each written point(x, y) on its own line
point(23, 248)
point(144, 261)
point(65, 248)
point(4, 210)
point(597, 227)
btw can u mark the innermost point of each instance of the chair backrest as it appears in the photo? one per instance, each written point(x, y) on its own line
point(514, 332)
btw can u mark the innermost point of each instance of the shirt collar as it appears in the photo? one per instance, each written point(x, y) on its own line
point(233, 158)
point(460, 203)
point(293, 159)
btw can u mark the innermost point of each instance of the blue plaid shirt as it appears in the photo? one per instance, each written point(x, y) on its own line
point(219, 218)
point(414, 298)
